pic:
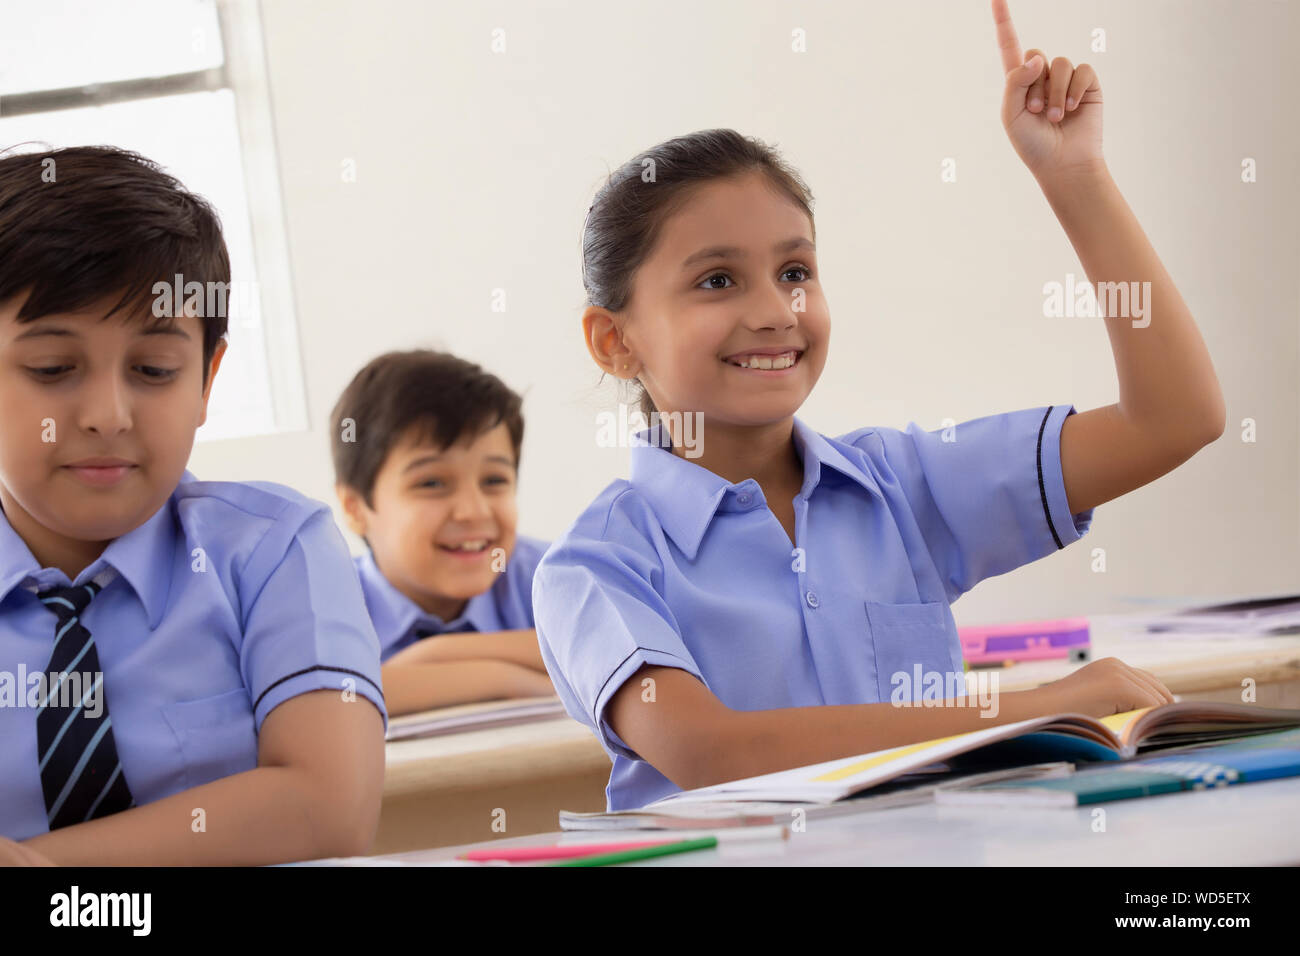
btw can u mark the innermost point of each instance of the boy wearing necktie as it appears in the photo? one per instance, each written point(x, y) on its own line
point(187, 671)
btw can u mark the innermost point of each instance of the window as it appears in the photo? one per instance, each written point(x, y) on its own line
point(182, 82)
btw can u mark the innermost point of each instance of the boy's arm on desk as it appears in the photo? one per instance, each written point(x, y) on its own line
point(315, 792)
point(413, 686)
point(516, 647)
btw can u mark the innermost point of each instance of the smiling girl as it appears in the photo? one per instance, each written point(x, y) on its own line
point(746, 611)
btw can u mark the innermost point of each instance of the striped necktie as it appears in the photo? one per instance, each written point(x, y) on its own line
point(80, 772)
point(423, 631)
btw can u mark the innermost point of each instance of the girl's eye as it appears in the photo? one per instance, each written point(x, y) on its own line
point(806, 273)
point(429, 483)
point(497, 480)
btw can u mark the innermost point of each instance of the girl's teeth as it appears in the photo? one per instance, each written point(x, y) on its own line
point(768, 361)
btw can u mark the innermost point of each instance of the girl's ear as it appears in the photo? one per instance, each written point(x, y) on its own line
point(605, 342)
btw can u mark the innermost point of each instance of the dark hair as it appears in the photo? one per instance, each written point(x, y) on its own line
point(86, 222)
point(443, 396)
point(629, 210)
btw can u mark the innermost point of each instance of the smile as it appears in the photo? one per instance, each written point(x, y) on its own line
point(761, 362)
point(467, 549)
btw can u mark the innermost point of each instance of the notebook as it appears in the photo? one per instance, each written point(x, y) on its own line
point(1068, 737)
point(1260, 616)
point(908, 790)
point(490, 713)
point(1262, 757)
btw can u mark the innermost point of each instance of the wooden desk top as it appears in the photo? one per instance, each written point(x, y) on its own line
point(1186, 665)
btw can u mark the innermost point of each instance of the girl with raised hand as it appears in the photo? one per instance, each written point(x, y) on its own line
point(751, 604)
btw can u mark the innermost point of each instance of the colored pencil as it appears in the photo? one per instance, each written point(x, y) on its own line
point(632, 856)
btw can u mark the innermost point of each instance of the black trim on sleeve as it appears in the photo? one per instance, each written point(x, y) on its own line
point(595, 717)
point(1042, 487)
point(319, 667)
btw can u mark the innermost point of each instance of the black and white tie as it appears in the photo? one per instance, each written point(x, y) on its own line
point(81, 775)
point(424, 631)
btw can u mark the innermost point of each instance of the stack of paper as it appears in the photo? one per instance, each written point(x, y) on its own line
point(491, 713)
point(911, 790)
point(1261, 616)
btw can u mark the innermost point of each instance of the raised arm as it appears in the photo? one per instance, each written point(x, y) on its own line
point(1170, 402)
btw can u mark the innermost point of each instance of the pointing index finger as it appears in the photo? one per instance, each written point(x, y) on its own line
point(1008, 42)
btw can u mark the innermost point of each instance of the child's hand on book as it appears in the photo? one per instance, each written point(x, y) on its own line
point(1052, 114)
point(1104, 687)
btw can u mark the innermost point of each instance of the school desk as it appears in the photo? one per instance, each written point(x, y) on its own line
point(481, 784)
point(1249, 824)
point(511, 781)
point(1196, 668)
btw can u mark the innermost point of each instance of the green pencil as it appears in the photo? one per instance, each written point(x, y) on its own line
point(630, 856)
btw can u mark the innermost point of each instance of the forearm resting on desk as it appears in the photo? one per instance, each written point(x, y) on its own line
point(516, 647)
point(410, 687)
point(315, 793)
point(694, 740)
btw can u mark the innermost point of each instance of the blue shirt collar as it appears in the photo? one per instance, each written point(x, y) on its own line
point(143, 556)
point(685, 496)
point(396, 616)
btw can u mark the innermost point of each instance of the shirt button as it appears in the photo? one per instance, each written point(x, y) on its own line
point(743, 498)
point(811, 598)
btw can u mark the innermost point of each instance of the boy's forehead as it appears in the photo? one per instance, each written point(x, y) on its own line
point(133, 319)
point(419, 441)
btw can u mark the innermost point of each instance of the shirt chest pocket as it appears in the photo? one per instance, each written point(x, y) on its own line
point(217, 735)
point(912, 642)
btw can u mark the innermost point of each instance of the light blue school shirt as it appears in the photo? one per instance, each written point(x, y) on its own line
point(676, 567)
point(231, 599)
point(506, 606)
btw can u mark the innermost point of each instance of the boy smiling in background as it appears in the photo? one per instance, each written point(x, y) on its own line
point(426, 455)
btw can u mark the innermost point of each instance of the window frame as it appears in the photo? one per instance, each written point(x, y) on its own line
point(243, 72)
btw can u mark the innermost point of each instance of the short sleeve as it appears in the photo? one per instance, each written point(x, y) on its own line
point(987, 495)
point(523, 569)
point(599, 619)
point(306, 627)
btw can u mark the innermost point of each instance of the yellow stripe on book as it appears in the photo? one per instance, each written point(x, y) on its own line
point(1117, 722)
point(887, 757)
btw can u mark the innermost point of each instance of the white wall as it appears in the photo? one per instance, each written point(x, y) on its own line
point(475, 171)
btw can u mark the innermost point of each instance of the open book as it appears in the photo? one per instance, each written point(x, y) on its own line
point(1062, 737)
point(1268, 756)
